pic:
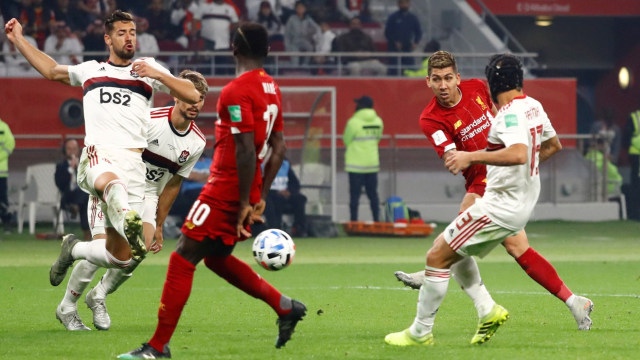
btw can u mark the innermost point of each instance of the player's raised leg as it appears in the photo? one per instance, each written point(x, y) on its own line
point(542, 272)
point(241, 275)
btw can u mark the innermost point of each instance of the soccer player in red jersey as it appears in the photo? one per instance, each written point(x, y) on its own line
point(249, 124)
point(459, 118)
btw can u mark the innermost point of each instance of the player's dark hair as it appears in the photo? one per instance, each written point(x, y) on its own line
point(504, 73)
point(197, 79)
point(115, 16)
point(440, 60)
point(251, 40)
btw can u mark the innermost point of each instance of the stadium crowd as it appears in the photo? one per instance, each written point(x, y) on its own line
point(67, 28)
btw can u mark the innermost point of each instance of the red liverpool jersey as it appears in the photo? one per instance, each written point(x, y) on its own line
point(464, 126)
point(249, 103)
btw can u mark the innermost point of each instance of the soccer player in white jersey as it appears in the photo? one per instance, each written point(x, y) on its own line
point(175, 144)
point(520, 137)
point(117, 98)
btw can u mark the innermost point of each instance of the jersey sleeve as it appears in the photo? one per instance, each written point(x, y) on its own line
point(512, 129)
point(437, 134)
point(237, 103)
point(548, 132)
point(78, 73)
point(185, 169)
point(156, 84)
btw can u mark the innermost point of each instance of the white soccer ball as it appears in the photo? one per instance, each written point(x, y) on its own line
point(274, 249)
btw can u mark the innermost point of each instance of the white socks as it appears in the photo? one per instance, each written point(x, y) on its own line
point(432, 292)
point(113, 278)
point(81, 276)
point(467, 274)
point(96, 253)
point(117, 199)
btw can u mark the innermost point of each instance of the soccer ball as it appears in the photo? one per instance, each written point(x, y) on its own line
point(273, 249)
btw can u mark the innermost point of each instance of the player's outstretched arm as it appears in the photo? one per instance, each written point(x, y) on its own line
point(515, 154)
point(165, 201)
point(38, 59)
point(182, 89)
point(549, 147)
point(246, 166)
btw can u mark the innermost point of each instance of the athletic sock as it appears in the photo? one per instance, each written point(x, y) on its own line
point(540, 270)
point(176, 291)
point(467, 274)
point(96, 253)
point(113, 279)
point(434, 288)
point(117, 199)
point(79, 279)
point(242, 276)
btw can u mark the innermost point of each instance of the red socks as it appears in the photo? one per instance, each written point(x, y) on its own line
point(540, 270)
point(242, 276)
point(177, 288)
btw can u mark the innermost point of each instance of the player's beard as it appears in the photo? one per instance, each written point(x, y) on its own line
point(124, 54)
point(185, 115)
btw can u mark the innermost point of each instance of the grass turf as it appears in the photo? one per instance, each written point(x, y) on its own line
point(353, 299)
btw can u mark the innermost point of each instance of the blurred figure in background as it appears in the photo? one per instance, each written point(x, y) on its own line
point(7, 144)
point(362, 161)
point(146, 44)
point(403, 33)
point(63, 45)
point(299, 33)
point(72, 199)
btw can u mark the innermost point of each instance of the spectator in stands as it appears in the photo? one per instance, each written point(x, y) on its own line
point(158, 20)
point(356, 40)
point(7, 144)
point(36, 18)
point(403, 33)
point(267, 18)
point(355, 8)
point(94, 41)
point(92, 10)
point(608, 130)
point(16, 65)
point(285, 198)
point(324, 44)
point(70, 15)
point(362, 162)
point(146, 43)
point(182, 22)
point(216, 20)
point(73, 200)
point(300, 32)
point(64, 44)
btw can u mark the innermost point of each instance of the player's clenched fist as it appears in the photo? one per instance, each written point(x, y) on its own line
point(13, 28)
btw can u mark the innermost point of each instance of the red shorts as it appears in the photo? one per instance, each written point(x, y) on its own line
point(477, 185)
point(209, 218)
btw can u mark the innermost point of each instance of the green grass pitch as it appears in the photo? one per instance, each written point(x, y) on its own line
point(353, 299)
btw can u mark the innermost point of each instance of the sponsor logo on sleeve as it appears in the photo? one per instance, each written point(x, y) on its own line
point(511, 120)
point(235, 113)
point(438, 137)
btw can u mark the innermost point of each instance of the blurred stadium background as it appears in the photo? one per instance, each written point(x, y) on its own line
point(573, 62)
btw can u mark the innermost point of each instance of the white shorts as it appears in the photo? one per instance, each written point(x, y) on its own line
point(97, 220)
point(126, 164)
point(128, 167)
point(473, 233)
